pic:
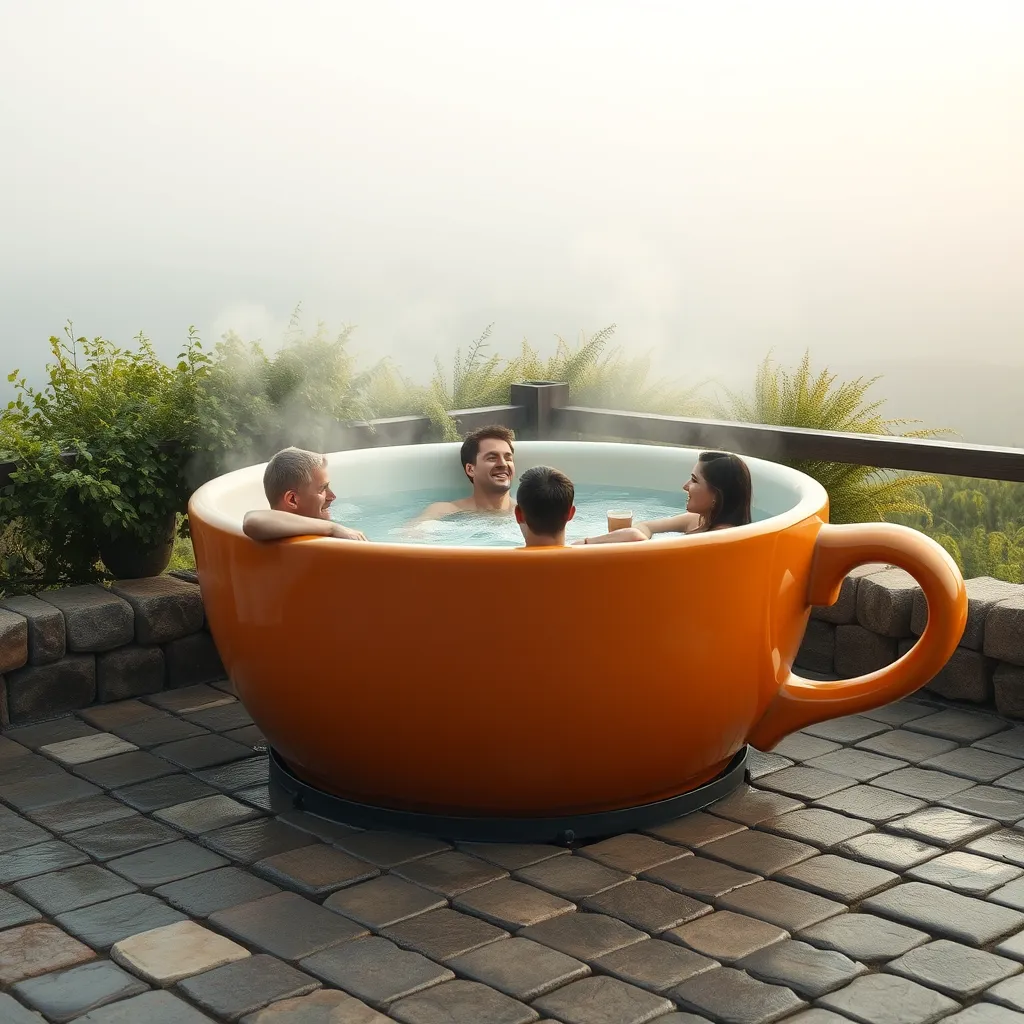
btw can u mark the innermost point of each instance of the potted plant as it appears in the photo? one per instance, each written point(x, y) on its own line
point(101, 451)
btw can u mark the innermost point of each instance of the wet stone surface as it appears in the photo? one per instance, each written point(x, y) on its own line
point(923, 784)
point(508, 903)
point(455, 1002)
point(818, 826)
point(444, 934)
point(245, 986)
point(521, 968)
point(956, 970)
point(65, 995)
point(385, 901)
point(584, 936)
point(887, 999)
point(838, 878)
point(942, 827)
point(895, 853)
point(809, 971)
point(654, 965)
point(726, 936)
point(375, 970)
point(697, 829)
point(209, 891)
point(602, 1000)
point(72, 888)
point(780, 904)
point(572, 878)
point(36, 949)
point(652, 908)
point(946, 913)
point(870, 870)
point(103, 924)
point(734, 997)
point(966, 873)
point(758, 852)
point(864, 937)
point(285, 925)
point(701, 878)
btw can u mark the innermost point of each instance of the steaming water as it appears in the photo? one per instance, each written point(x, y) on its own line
point(387, 517)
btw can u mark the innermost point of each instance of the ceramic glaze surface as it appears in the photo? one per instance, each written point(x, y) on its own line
point(495, 681)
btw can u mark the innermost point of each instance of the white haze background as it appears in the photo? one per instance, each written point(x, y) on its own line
point(716, 178)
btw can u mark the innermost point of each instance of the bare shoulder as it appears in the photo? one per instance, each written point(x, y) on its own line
point(689, 522)
point(684, 522)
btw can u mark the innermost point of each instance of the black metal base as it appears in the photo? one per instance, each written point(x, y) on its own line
point(563, 830)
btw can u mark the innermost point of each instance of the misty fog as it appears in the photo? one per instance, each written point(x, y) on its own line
point(716, 179)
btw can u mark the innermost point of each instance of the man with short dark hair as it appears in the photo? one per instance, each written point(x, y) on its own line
point(544, 505)
point(488, 460)
point(299, 493)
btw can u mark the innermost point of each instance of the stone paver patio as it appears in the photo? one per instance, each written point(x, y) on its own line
point(872, 871)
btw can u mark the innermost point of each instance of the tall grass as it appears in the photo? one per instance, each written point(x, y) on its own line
point(597, 376)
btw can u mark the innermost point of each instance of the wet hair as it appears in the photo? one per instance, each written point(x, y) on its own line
point(471, 445)
point(545, 495)
point(288, 470)
point(728, 476)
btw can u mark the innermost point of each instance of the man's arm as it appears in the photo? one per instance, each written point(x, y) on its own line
point(439, 510)
point(271, 524)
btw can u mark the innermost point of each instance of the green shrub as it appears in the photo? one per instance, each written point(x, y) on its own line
point(116, 440)
point(820, 402)
point(597, 378)
point(100, 451)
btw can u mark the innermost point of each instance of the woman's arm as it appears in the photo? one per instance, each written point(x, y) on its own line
point(685, 522)
point(615, 537)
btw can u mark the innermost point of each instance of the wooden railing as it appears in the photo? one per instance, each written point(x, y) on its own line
point(539, 410)
point(549, 415)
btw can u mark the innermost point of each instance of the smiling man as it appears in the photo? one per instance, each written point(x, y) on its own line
point(299, 492)
point(488, 460)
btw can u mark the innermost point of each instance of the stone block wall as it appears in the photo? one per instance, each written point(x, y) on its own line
point(66, 649)
point(880, 614)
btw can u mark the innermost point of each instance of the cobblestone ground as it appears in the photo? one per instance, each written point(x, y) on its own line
point(873, 871)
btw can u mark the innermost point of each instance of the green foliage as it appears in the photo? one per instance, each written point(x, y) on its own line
point(820, 402)
point(116, 440)
point(390, 393)
point(100, 451)
point(597, 378)
point(979, 522)
point(253, 404)
point(477, 380)
point(611, 380)
point(182, 557)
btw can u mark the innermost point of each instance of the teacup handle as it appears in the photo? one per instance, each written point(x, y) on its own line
point(838, 549)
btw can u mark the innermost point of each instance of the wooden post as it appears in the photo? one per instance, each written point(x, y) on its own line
point(538, 398)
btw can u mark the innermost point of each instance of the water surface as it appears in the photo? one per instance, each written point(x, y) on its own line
point(388, 517)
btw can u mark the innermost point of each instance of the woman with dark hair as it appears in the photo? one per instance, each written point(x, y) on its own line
point(717, 497)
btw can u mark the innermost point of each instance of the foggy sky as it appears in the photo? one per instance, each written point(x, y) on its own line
point(715, 178)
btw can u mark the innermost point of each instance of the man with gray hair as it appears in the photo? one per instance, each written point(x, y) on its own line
point(300, 494)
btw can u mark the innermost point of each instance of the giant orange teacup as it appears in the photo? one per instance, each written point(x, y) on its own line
point(492, 682)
